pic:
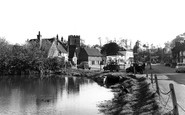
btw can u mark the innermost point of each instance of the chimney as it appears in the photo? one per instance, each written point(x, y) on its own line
point(38, 36)
point(39, 39)
point(57, 36)
point(56, 40)
point(62, 39)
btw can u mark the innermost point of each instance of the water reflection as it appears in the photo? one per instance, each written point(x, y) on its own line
point(64, 95)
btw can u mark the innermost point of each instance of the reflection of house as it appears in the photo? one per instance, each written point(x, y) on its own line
point(52, 46)
point(92, 55)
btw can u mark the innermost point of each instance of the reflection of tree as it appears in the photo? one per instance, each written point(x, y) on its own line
point(73, 85)
point(47, 91)
point(40, 93)
point(5, 92)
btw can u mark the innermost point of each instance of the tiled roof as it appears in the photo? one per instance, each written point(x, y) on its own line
point(46, 44)
point(61, 48)
point(92, 52)
point(55, 47)
point(121, 53)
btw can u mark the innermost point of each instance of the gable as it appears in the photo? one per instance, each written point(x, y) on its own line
point(53, 51)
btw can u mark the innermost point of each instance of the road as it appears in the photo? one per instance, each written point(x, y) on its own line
point(166, 76)
point(170, 72)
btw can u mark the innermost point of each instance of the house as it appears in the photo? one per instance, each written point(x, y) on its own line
point(123, 58)
point(52, 46)
point(57, 50)
point(91, 55)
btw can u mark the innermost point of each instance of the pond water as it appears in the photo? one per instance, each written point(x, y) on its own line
point(62, 96)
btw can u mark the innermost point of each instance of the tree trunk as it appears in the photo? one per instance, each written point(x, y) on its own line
point(182, 56)
point(178, 56)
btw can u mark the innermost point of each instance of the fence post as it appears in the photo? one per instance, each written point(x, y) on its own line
point(152, 78)
point(175, 107)
point(157, 85)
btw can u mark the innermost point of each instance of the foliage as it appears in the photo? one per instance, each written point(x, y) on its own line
point(111, 48)
point(17, 59)
point(125, 43)
point(95, 46)
point(178, 38)
point(136, 46)
point(178, 46)
point(82, 43)
point(53, 63)
point(135, 51)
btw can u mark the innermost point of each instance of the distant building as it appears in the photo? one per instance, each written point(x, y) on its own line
point(73, 45)
point(91, 55)
point(53, 46)
point(123, 58)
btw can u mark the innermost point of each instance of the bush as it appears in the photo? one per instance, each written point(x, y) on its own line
point(53, 64)
point(16, 59)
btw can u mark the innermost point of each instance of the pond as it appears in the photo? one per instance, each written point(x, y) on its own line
point(52, 96)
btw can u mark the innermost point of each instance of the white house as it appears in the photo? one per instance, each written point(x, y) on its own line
point(122, 58)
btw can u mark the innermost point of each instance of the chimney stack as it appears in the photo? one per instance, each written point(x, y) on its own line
point(39, 39)
point(56, 40)
point(62, 39)
point(38, 36)
point(57, 36)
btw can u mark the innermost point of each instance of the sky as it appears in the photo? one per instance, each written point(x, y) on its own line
point(150, 21)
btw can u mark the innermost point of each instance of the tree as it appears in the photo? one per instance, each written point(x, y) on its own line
point(178, 46)
point(111, 48)
point(179, 38)
point(125, 43)
point(5, 49)
point(139, 54)
point(136, 46)
point(167, 44)
point(82, 43)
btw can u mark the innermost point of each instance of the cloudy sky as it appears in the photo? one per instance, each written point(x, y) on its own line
point(152, 21)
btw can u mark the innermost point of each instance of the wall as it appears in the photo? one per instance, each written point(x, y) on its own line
point(128, 55)
point(82, 56)
point(120, 59)
point(96, 60)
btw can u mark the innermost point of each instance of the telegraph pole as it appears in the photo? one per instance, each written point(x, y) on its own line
point(150, 59)
point(100, 47)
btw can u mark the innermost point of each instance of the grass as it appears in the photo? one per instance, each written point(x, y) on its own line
point(140, 101)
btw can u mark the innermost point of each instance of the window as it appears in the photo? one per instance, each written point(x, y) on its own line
point(93, 62)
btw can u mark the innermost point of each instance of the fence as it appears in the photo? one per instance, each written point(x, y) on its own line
point(169, 94)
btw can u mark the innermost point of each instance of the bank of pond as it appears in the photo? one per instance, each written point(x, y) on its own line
point(124, 90)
